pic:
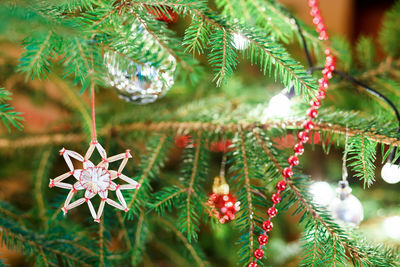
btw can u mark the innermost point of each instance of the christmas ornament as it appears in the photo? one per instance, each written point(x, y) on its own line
point(346, 207)
point(140, 83)
point(391, 173)
point(391, 227)
point(94, 179)
point(280, 104)
point(160, 15)
point(308, 125)
point(222, 203)
point(391, 170)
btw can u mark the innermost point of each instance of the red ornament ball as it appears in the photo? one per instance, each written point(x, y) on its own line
point(223, 206)
point(252, 264)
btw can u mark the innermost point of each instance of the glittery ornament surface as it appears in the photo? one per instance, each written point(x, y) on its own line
point(140, 83)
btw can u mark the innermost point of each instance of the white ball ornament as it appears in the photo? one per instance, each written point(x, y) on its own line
point(346, 208)
point(391, 173)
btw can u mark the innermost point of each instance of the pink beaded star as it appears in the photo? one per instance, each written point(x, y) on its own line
point(94, 179)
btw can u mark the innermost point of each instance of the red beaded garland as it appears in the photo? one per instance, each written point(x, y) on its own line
point(287, 172)
point(272, 212)
point(258, 253)
point(262, 239)
point(312, 113)
point(293, 160)
point(267, 226)
point(281, 185)
point(298, 149)
point(302, 136)
point(276, 198)
point(308, 125)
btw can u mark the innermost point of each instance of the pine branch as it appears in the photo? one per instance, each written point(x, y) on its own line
point(42, 173)
point(7, 115)
point(141, 236)
point(197, 36)
point(249, 205)
point(192, 126)
point(222, 56)
point(194, 251)
point(35, 60)
point(193, 171)
point(389, 36)
point(361, 158)
point(30, 243)
point(152, 165)
point(166, 199)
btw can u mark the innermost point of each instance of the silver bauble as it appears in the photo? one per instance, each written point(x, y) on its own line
point(346, 208)
point(140, 83)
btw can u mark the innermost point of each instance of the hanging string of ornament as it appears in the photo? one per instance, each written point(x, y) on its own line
point(95, 179)
point(303, 135)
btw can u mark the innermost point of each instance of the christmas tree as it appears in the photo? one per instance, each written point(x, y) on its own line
point(197, 133)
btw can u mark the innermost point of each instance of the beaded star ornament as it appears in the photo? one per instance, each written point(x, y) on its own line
point(94, 179)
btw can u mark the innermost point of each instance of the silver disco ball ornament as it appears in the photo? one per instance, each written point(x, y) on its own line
point(346, 208)
point(140, 83)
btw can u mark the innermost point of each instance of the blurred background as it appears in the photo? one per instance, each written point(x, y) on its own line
point(42, 103)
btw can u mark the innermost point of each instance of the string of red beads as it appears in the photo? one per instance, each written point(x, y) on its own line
point(302, 136)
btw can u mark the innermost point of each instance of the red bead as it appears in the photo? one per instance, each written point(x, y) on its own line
point(323, 83)
point(299, 149)
point(276, 198)
point(320, 27)
point(315, 103)
point(267, 225)
point(314, 11)
point(293, 160)
point(312, 113)
point(327, 73)
point(262, 240)
point(303, 137)
point(281, 185)
point(287, 172)
point(323, 35)
point(272, 212)
point(312, 3)
point(321, 94)
point(252, 264)
point(258, 253)
point(317, 19)
point(308, 125)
